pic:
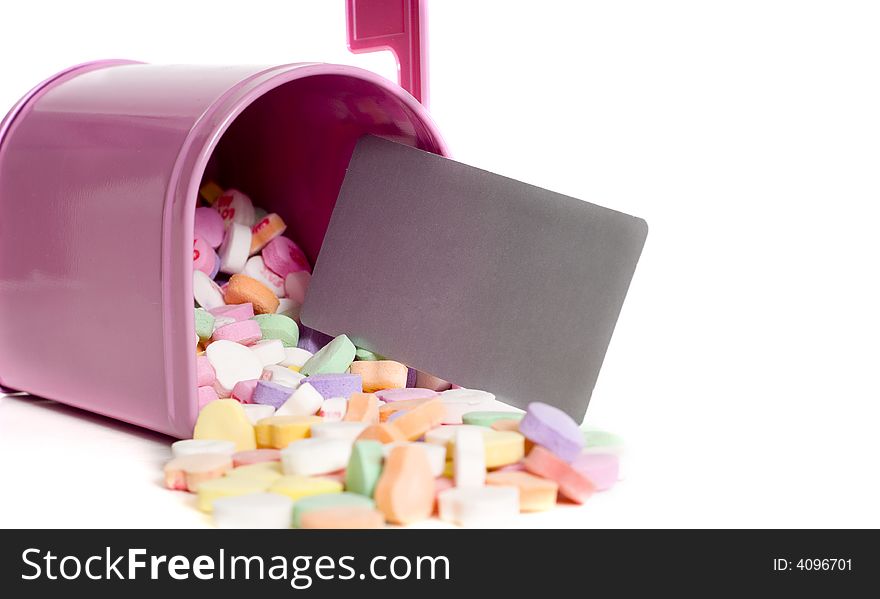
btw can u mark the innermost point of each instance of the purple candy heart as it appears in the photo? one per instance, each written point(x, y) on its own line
point(552, 428)
point(602, 469)
point(271, 394)
point(336, 385)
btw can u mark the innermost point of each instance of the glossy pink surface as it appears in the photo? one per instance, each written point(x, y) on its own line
point(400, 26)
point(99, 172)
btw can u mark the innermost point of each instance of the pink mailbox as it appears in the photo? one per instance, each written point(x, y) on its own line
point(100, 167)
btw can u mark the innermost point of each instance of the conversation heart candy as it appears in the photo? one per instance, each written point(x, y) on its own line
point(256, 412)
point(333, 409)
point(267, 472)
point(253, 511)
point(335, 385)
point(266, 229)
point(234, 249)
point(338, 430)
point(305, 401)
point(235, 207)
point(342, 517)
point(202, 446)
point(553, 429)
point(232, 362)
point(204, 257)
point(602, 469)
point(364, 467)
point(295, 357)
point(384, 432)
point(362, 407)
point(436, 454)
point(244, 289)
point(380, 374)
point(277, 432)
point(536, 494)
point(228, 486)
point(484, 418)
point(501, 448)
point(572, 484)
point(335, 357)
point(271, 394)
point(478, 507)
point(257, 270)
point(225, 420)
point(281, 375)
point(244, 332)
point(205, 374)
point(206, 292)
point(284, 257)
point(328, 500)
point(235, 312)
point(255, 456)
point(206, 395)
point(297, 487)
point(365, 354)
point(416, 422)
point(187, 472)
point(405, 491)
point(204, 323)
point(393, 395)
point(311, 457)
point(208, 225)
point(469, 458)
point(268, 351)
point(278, 326)
point(210, 191)
point(458, 402)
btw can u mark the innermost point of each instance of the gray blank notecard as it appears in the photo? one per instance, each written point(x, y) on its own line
point(476, 278)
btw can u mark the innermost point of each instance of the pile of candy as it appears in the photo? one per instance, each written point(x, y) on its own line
point(342, 437)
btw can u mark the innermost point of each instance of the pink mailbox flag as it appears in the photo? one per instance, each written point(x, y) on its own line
point(396, 25)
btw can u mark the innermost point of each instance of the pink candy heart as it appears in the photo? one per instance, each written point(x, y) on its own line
point(282, 256)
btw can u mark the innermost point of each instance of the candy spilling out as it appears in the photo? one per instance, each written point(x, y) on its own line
point(299, 431)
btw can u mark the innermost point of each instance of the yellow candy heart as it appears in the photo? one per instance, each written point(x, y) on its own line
point(225, 419)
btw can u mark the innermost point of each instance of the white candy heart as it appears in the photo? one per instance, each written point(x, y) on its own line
point(347, 431)
point(233, 362)
point(479, 507)
point(257, 510)
point(469, 459)
point(256, 412)
point(282, 376)
point(312, 457)
point(269, 351)
point(200, 446)
point(256, 269)
point(206, 292)
point(235, 249)
point(305, 401)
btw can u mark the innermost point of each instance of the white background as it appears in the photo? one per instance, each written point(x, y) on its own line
point(744, 370)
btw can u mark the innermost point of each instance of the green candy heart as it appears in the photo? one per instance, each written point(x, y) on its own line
point(333, 358)
point(595, 438)
point(204, 323)
point(364, 467)
point(487, 418)
point(366, 355)
point(278, 326)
